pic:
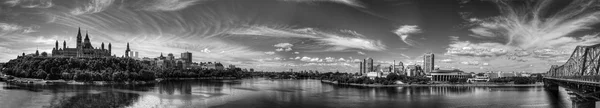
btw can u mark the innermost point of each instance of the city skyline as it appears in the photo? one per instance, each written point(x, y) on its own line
point(327, 35)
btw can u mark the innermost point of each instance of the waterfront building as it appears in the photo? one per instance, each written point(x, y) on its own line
point(414, 70)
point(360, 71)
point(369, 66)
point(84, 48)
point(364, 63)
point(428, 62)
point(187, 58)
point(373, 75)
point(445, 75)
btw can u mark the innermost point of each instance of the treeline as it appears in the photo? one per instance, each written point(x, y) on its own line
point(102, 69)
point(516, 80)
point(388, 80)
point(81, 69)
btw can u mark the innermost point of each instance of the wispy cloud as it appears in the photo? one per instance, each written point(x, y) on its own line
point(30, 3)
point(335, 41)
point(354, 3)
point(165, 5)
point(91, 6)
point(528, 34)
point(535, 26)
point(405, 32)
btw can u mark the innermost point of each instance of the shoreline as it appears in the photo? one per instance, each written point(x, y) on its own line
point(34, 81)
point(434, 85)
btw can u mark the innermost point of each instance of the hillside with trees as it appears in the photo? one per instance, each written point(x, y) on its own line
point(80, 69)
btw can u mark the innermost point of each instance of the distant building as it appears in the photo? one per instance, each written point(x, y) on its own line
point(364, 67)
point(211, 65)
point(83, 49)
point(373, 75)
point(414, 70)
point(399, 68)
point(445, 75)
point(231, 66)
point(428, 62)
point(361, 70)
point(187, 58)
point(369, 66)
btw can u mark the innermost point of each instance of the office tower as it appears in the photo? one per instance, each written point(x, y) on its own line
point(364, 63)
point(428, 62)
point(187, 58)
point(370, 65)
point(361, 68)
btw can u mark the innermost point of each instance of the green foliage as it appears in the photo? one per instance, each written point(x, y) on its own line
point(388, 80)
point(515, 80)
point(80, 69)
point(524, 80)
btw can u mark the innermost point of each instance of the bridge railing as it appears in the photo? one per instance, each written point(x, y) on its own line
point(582, 65)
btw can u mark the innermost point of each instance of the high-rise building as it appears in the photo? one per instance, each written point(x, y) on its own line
point(428, 62)
point(361, 68)
point(187, 58)
point(370, 67)
point(364, 63)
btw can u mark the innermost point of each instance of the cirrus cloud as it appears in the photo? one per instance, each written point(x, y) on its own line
point(405, 32)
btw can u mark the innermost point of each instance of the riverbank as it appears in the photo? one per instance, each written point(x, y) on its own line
point(434, 85)
point(17, 80)
point(203, 78)
point(34, 81)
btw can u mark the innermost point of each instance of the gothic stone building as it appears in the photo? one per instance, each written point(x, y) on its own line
point(83, 49)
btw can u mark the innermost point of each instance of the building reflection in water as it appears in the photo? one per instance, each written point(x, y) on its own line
point(282, 93)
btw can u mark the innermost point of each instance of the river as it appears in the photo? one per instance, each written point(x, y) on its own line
point(262, 93)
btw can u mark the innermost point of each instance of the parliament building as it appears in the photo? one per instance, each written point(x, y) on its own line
point(83, 49)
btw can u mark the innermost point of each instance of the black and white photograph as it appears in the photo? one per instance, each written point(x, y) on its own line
point(299, 53)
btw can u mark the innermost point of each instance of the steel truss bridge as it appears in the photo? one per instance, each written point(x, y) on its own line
point(580, 75)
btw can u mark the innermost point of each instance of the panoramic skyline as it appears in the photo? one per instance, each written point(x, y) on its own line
point(324, 35)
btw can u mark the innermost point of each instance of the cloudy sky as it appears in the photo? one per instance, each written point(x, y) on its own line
point(324, 35)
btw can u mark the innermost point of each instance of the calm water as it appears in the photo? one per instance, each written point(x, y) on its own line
point(261, 93)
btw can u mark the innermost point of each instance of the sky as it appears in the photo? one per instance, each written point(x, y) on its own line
point(322, 35)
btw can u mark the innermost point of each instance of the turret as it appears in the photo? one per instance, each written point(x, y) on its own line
point(86, 42)
point(56, 47)
point(127, 50)
point(109, 49)
point(79, 39)
point(102, 46)
point(64, 45)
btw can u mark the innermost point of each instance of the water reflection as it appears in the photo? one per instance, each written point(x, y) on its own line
point(261, 93)
point(97, 100)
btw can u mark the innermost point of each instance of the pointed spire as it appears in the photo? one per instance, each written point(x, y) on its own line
point(79, 32)
point(64, 44)
point(86, 35)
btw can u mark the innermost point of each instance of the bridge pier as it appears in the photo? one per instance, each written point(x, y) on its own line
point(548, 85)
point(578, 102)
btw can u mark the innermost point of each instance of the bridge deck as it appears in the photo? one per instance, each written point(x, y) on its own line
point(574, 80)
